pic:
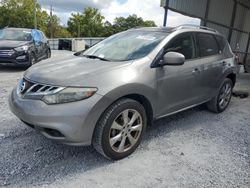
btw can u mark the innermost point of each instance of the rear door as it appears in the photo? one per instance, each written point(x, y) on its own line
point(211, 63)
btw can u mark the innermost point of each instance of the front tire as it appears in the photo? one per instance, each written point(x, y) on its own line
point(48, 54)
point(120, 129)
point(32, 59)
point(221, 101)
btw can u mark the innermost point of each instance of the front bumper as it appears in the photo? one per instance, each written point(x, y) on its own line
point(74, 121)
point(17, 59)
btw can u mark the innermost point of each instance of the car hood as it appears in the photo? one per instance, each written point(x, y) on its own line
point(71, 71)
point(11, 43)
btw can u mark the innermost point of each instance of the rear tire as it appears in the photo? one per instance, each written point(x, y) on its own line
point(120, 129)
point(247, 66)
point(221, 101)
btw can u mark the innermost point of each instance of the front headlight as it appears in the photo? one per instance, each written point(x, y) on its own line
point(22, 48)
point(69, 95)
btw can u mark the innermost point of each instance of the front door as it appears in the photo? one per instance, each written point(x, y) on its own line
point(178, 86)
point(38, 43)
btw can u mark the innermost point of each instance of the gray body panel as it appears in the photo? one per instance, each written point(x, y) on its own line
point(169, 89)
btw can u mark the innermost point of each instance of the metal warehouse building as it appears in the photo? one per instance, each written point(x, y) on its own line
point(229, 17)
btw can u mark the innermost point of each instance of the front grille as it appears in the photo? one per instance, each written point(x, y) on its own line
point(26, 87)
point(6, 53)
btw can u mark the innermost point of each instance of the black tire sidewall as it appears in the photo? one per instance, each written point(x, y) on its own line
point(108, 151)
point(32, 57)
point(48, 53)
point(227, 80)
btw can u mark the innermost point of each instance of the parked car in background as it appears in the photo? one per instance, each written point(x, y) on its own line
point(108, 94)
point(23, 47)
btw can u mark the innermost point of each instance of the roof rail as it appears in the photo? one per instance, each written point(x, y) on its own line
point(188, 26)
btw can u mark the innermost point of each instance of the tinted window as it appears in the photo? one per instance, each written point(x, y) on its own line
point(207, 44)
point(221, 41)
point(183, 44)
point(15, 34)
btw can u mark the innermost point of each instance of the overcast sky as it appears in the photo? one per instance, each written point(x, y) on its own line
point(147, 9)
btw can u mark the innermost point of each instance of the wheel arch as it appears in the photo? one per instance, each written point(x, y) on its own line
point(232, 76)
point(119, 93)
point(145, 103)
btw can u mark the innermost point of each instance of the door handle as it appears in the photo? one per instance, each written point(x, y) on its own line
point(224, 63)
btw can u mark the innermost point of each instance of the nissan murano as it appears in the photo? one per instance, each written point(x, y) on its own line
point(106, 95)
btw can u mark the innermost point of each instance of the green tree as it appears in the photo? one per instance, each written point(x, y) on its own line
point(108, 29)
point(74, 24)
point(87, 24)
point(132, 21)
point(62, 32)
point(20, 13)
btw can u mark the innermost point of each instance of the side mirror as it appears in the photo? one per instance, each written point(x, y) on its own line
point(173, 59)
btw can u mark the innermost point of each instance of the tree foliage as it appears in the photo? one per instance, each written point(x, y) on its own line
point(89, 23)
point(131, 21)
point(20, 13)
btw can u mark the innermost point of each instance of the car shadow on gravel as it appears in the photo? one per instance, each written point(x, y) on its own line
point(11, 69)
point(27, 158)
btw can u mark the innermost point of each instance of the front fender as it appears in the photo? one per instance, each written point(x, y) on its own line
point(114, 95)
point(133, 89)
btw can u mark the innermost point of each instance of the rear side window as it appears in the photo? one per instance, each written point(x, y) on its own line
point(207, 44)
point(43, 36)
point(221, 41)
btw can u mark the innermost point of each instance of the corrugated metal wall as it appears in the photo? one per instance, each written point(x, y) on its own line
point(221, 29)
point(246, 2)
point(194, 7)
point(220, 11)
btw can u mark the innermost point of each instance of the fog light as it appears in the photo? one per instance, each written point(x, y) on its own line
point(21, 57)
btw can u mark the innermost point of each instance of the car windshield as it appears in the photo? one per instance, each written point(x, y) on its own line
point(16, 35)
point(125, 46)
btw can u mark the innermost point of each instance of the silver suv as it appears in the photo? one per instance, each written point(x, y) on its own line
point(108, 94)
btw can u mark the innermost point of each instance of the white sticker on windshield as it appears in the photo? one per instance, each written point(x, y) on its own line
point(145, 37)
point(101, 56)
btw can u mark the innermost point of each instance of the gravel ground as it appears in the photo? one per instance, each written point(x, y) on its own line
point(195, 148)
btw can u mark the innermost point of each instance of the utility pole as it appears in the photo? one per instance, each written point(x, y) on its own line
point(35, 19)
point(164, 4)
point(51, 22)
point(79, 29)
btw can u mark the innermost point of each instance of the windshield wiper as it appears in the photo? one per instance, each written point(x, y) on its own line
point(95, 57)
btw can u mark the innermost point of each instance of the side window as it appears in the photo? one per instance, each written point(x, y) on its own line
point(183, 44)
point(207, 44)
point(221, 41)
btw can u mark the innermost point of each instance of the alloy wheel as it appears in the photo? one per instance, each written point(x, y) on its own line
point(225, 95)
point(125, 130)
